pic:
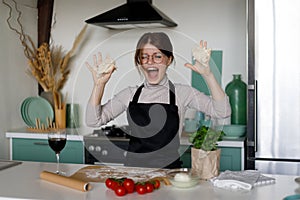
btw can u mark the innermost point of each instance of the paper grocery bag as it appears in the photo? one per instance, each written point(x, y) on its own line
point(206, 163)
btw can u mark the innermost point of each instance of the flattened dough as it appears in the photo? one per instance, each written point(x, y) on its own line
point(105, 66)
point(201, 55)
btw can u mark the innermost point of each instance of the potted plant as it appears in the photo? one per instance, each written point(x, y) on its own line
point(205, 154)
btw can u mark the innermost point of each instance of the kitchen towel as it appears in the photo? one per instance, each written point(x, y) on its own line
point(65, 181)
point(244, 180)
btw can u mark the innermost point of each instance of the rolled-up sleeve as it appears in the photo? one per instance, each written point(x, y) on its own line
point(99, 115)
point(206, 104)
point(92, 115)
point(221, 108)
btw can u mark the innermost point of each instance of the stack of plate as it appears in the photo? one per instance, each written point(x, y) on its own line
point(33, 108)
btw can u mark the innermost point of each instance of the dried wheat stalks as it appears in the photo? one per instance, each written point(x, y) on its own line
point(64, 67)
point(62, 70)
point(48, 65)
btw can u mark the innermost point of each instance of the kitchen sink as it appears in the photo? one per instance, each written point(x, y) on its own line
point(4, 164)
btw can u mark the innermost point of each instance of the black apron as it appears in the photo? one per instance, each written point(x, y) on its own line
point(154, 139)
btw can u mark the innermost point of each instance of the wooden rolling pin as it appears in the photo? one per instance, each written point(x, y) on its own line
point(66, 181)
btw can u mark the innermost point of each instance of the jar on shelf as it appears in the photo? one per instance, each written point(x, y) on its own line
point(236, 90)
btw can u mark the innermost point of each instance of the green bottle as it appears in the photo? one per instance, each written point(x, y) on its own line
point(237, 93)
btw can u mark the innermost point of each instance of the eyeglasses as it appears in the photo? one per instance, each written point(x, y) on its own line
point(156, 58)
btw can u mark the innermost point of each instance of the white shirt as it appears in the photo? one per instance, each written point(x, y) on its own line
point(186, 97)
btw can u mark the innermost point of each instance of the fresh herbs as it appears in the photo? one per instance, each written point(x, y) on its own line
point(206, 138)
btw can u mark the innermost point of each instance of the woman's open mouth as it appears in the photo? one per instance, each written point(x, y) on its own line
point(152, 72)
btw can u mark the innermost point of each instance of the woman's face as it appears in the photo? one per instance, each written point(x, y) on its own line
point(154, 64)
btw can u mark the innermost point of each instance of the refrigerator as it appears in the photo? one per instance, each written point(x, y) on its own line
point(273, 137)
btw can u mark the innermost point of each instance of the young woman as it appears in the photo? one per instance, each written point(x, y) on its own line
point(155, 110)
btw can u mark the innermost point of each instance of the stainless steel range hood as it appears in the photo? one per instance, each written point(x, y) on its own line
point(133, 14)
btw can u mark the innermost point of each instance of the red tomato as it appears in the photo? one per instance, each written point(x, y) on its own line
point(141, 189)
point(149, 187)
point(129, 185)
point(156, 184)
point(109, 182)
point(120, 190)
point(114, 185)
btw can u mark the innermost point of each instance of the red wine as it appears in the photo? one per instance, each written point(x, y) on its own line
point(57, 144)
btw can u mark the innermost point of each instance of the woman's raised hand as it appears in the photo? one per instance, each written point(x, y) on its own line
point(202, 57)
point(101, 69)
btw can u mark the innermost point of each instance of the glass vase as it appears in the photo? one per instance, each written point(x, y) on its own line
point(237, 93)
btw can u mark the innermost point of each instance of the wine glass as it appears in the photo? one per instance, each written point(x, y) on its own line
point(57, 141)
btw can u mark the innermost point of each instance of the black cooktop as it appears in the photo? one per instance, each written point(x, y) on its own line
point(111, 131)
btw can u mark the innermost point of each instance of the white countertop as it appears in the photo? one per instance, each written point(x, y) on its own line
point(23, 182)
point(73, 134)
point(77, 134)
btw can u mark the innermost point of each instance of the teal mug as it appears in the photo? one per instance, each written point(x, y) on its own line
point(72, 113)
point(191, 125)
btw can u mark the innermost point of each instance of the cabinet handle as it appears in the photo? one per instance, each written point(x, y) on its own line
point(41, 143)
point(255, 117)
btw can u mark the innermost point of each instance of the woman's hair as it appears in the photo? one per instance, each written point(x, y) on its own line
point(158, 39)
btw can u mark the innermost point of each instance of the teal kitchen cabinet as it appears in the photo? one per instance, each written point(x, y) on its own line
point(185, 156)
point(231, 159)
point(30, 146)
point(39, 150)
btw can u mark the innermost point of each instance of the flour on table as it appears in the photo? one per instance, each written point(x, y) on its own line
point(137, 174)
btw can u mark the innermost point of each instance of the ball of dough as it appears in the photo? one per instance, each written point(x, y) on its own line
point(182, 177)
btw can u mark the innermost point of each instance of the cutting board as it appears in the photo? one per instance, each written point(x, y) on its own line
point(98, 173)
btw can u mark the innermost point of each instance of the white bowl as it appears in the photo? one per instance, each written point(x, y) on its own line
point(183, 178)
